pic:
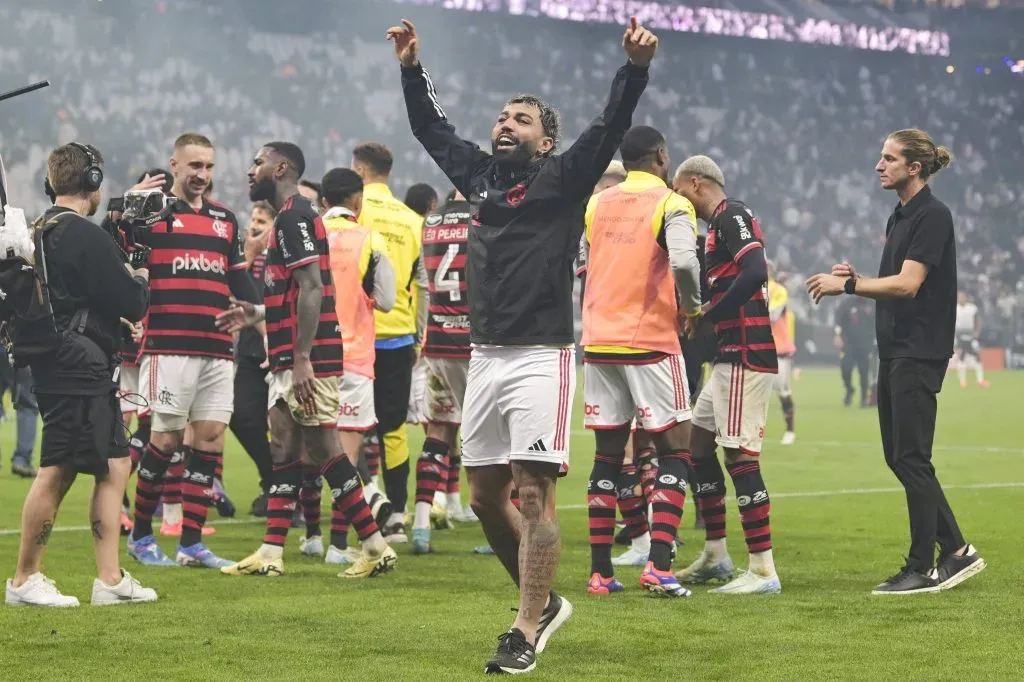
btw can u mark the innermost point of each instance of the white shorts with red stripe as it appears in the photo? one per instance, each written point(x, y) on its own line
point(518, 405)
point(734, 407)
point(653, 394)
point(128, 391)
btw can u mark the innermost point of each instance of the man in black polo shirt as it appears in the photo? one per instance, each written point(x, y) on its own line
point(915, 315)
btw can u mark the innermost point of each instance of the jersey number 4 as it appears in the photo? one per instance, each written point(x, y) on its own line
point(445, 280)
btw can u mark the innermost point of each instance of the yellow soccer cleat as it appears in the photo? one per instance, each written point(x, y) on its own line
point(439, 519)
point(369, 566)
point(256, 564)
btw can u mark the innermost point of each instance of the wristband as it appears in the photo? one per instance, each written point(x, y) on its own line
point(850, 286)
point(261, 312)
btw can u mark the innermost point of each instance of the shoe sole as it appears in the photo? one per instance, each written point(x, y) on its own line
point(557, 622)
point(966, 574)
point(660, 591)
point(123, 601)
point(383, 514)
point(501, 670)
point(45, 606)
point(385, 565)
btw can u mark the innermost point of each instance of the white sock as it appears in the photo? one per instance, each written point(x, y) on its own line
point(439, 499)
point(422, 519)
point(374, 544)
point(961, 369)
point(369, 490)
point(454, 502)
point(271, 551)
point(980, 370)
point(173, 514)
point(642, 544)
point(715, 549)
point(762, 564)
point(375, 480)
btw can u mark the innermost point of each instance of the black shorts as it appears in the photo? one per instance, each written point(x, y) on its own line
point(82, 430)
point(392, 384)
point(967, 345)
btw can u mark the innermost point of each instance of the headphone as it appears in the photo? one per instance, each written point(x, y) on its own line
point(92, 176)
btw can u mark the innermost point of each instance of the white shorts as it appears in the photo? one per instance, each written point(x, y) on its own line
point(446, 389)
point(129, 390)
point(184, 388)
point(416, 413)
point(518, 405)
point(655, 395)
point(734, 406)
point(781, 383)
point(357, 412)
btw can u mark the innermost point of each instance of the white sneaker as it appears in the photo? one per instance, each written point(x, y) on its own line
point(128, 591)
point(313, 546)
point(749, 582)
point(788, 438)
point(631, 557)
point(465, 515)
point(38, 590)
point(345, 557)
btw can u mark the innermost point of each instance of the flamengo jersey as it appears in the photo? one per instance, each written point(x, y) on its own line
point(746, 337)
point(188, 282)
point(445, 234)
point(298, 239)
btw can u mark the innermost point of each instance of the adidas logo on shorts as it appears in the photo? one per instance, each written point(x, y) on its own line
point(538, 446)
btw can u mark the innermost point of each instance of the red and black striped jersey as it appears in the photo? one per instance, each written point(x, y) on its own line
point(746, 337)
point(299, 239)
point(445, 235)
point(188, 281)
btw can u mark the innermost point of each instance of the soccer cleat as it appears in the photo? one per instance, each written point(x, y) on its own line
point(394, 533)
point(259, 506)
point(256, 564)
point(148, 553)
point(346, 557)
point(465, 515)
point(788, 438)
point(954, 569)
point(200, 556)
point(128, 591)
point(313, 546)
point(749, 582)
point(552, 618)
point(225, 507)
point(909, 581)
point(706, 569)
point(381, 509)
point(983, 383)
point(439, 519)
point(661, 582)
point(631, 557)
point(483, 549)
point(371, 566)
point(601, 585)
point(421, 541)
point(514, 656)
point(38, 590)
point(173, 530)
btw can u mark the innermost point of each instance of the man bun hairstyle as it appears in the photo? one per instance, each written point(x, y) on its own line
point(918, 146)
point(291, 153)
point(375, 156)
point(550, 120)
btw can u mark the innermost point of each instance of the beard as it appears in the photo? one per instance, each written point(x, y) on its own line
point(262, 190)
point(520, 155)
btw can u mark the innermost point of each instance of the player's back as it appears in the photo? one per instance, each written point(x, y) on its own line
point(966, 314)
point(350, 245)
point(445, 237)
point(188, 274)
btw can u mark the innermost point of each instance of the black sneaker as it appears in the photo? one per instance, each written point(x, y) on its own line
point(954, 569)
point(909, 581)
point(514, 655)
point(554, 616)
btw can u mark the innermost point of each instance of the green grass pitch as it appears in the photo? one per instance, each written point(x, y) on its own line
point(839, 527)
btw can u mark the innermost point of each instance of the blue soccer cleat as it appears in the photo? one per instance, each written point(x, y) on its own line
point(148, 553)
point(200, 556)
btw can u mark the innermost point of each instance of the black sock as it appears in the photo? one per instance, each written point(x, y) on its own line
point(601, 502)
point(788, 411)
point(396, 485)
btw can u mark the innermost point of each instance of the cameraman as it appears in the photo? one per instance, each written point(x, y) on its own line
point(90, 290)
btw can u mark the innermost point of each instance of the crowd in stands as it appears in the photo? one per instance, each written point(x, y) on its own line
point(797, 131)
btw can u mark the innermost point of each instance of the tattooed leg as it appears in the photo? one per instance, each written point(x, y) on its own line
point(541, 542)
point(38, 516)
point(104, 516)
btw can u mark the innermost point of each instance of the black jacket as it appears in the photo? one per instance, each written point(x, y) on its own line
point(85, 271)
point(526, 223)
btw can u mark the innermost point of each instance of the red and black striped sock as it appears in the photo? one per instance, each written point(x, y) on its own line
point(601, 510)
point(140, 439)
point(347, 493)
point(431, 470)
point(454, 471)
point(709, 489)
point(284, 495)
point(667, 504)
point(309, 497)
point(339, 529)
point(754, 504)
point(371, 448)
point(647, 468)
point(152, 468)
point(632, 504)
point(175, 473)
point(197, 493)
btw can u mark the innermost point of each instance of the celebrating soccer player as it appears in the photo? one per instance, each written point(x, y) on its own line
point(731, 411)
point(641, 243)
point(306, 361)
point(526, 203)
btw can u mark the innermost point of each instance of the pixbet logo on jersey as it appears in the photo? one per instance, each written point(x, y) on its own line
point(200, 263)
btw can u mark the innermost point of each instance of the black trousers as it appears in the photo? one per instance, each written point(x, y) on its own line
point(859, 359)
point(392, 384)
point(249, 420)
point(907, 390)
